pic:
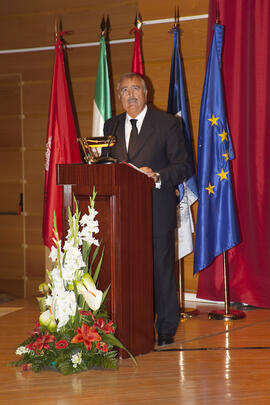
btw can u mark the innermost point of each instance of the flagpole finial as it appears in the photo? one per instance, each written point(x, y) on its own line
point(176, 20)
point(217, 13)
point(176, 17)
point(103, 26)
point(57, 27)
point(138, 20)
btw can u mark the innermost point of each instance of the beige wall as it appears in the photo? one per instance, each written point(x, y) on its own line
point(25, 80)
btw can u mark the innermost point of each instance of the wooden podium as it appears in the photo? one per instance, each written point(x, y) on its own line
point(124, 205)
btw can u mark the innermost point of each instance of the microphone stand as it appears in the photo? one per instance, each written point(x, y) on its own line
point(108, 159)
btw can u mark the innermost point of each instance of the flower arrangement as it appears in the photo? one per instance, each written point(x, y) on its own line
point(73, 333)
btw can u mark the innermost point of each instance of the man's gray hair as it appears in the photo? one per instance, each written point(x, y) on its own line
point(130, 75)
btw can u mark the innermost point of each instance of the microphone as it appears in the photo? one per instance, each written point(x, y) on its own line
point(113, 137)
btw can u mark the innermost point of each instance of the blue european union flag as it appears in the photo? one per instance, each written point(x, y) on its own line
point(177, 105)
point(217, 226)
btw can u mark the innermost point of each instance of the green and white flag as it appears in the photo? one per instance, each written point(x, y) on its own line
point(102, 102)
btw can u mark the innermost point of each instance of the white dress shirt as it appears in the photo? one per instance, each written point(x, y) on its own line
point(139, 123)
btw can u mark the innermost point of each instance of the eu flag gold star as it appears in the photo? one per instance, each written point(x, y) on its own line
point(210, 189)
point(213, 120)
point(223, 175)
point(226, 155)
point(223, 136)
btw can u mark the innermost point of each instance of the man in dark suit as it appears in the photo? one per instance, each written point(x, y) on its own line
point(154, 142)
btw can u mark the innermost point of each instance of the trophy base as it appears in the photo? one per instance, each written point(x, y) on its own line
point(105, 161)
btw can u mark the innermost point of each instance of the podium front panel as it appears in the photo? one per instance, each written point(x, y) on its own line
point(124, 205)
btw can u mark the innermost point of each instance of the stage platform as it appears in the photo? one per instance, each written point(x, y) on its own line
point(212, 362)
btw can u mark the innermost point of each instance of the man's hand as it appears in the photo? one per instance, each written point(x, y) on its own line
point(149, 172)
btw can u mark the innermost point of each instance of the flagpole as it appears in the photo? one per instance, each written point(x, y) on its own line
point(177, 106)
point(216, 204)
point(56, 27)
point(184, 312)
point(227, 314)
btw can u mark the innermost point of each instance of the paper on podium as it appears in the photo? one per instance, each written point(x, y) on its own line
point(157, 185)
point(133, 167)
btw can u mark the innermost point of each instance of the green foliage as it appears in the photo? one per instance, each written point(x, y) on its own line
point(95, 277)
point(109, 360)
point(42, 304)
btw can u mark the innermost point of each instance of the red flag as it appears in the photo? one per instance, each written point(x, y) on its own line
point(137, 62)
point(61, 145)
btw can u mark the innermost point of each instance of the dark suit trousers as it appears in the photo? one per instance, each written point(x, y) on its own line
point(166, 301)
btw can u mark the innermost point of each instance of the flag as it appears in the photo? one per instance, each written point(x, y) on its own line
point(137, 61)
point(217, 226)
point(61, 145)
point(188, 191)
point(102, 102)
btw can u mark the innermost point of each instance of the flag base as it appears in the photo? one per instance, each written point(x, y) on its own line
point(232, 315)
point(188, 312)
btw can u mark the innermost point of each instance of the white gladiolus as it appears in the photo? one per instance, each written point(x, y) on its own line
point(88, 220)
point(90, 226)
point(88, 237)
point(57, 281)
point(63, 307)
point(53, 254)
point(70, 268)
point(74, 258)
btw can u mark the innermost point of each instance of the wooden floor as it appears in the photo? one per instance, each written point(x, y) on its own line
point(211, 362)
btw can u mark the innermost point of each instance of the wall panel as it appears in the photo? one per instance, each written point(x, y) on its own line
point(9, 263)
point(35, 131)
point(159, 9)
point(36, 97)
point(10, 132)
point(33, 168)
point(10, 158)
point(11, 233)
point(34, 253)
point(33, 228)
point(33, 66)
point(34, 198)
point(10, 197)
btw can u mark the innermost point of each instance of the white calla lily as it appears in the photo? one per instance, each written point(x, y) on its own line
point(48, 320)
point(90, 293)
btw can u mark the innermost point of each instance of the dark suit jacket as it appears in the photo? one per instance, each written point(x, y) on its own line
point(162, 147)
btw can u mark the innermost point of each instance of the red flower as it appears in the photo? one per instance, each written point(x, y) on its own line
point(26, 367)
point(86, 335)
point(102, 346)
point(87, 313)
point(61, 344)
point(100, 323)
point(42, 342)
point(36, 330)
point(107, 328)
